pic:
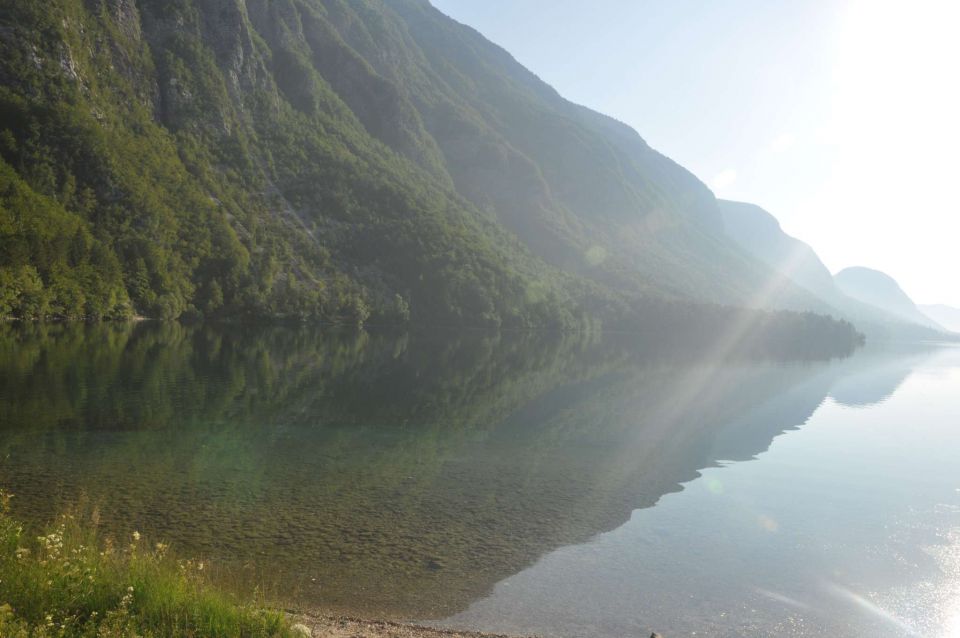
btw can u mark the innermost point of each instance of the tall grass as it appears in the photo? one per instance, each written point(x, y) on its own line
point(70, 583)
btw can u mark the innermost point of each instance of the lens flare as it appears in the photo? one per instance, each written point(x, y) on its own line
point(872, 608)
point(768, 523)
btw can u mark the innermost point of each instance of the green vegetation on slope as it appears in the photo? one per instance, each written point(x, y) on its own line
point(70, 583)
point(368, 161)
point(121, 129)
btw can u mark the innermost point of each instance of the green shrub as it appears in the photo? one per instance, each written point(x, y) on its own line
point(70, 583)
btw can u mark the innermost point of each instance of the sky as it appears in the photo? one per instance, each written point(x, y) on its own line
point(840, 117)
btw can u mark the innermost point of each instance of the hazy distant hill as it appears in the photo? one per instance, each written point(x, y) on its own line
point(759, 233)
point(793, 261)
point(881, 290)
point(342, 160)
point(946, 316)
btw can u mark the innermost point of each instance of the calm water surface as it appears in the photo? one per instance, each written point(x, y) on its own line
point(525, 483)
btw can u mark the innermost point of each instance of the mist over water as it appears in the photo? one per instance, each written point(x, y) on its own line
point(523, 482)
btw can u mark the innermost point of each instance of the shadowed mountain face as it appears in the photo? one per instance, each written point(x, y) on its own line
point(391, 475)
point(882, 291)
point(583, 190)
point(946, 316)
point(324, 158)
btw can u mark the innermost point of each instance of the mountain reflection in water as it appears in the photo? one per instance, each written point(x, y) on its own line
point(397, 475)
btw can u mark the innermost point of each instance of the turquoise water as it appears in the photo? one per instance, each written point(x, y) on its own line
point(530, 483)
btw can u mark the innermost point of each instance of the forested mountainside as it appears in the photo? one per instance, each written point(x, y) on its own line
point(339, 159)
point(161, 157)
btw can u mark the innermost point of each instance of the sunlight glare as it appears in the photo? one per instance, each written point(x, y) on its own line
point(872, 608)
point(893, 135)
point(952, 628)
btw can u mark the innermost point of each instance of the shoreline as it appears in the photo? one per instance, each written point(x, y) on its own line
point(334, 626)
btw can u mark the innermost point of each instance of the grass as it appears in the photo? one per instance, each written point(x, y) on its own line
point(71, 583)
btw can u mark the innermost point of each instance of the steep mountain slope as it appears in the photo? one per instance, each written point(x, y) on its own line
point(946, 316)
point(336, 159)
point(583, 190)
point(759, 232)
point(198, 165)
point(882, 291)
point(791, 260)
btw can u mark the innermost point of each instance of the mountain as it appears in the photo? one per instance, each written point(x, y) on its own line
point(882, 291)
point(584, 191)
point(342, 160)
point(792, 261)
point(170, 158)
point(760, 234)
point(946, 316)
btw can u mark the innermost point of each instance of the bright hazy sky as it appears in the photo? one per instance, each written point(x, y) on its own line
point(840, 117)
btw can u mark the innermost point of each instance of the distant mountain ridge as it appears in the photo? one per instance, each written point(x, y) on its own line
point(874, 302)
point(759, 232)
point(946, 316)
point(882, 291)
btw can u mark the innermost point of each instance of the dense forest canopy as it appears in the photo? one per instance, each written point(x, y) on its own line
point(362, 161)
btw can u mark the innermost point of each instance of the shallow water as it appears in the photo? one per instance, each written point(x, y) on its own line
point(528, 483)
point(849, 526)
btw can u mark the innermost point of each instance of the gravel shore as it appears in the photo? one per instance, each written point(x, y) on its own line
point(346, 627)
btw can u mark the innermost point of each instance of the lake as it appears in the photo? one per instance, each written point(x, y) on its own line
point(562, 485)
